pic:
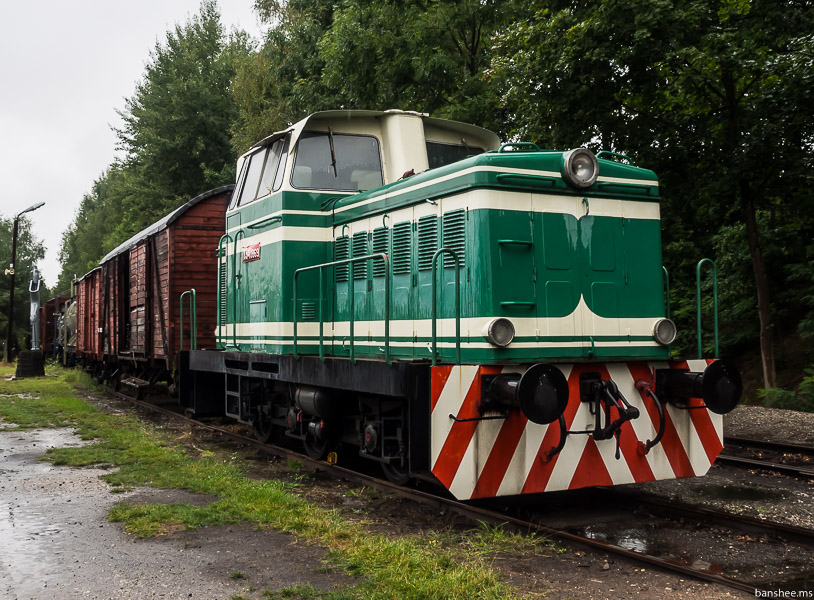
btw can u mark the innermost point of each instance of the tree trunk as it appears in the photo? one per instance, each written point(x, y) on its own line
point(762, 284)
point(731, 100)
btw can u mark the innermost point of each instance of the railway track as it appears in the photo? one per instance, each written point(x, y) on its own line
point(797, 459)
point(477, 513)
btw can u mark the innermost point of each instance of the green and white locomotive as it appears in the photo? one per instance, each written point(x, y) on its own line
point(489, 316)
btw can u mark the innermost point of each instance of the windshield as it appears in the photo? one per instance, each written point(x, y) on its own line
point(337, 162)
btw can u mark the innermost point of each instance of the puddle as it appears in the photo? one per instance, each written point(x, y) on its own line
point(738, 492)
point(629, 539)
point(706, 547)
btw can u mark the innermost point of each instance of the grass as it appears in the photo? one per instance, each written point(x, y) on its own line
point(423, 566)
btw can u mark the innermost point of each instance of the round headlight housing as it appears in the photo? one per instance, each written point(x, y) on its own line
point(664, 331)
point(500, 332)
point(580, 168)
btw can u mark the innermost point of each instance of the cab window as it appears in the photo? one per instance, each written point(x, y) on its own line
point(353, 165)
point(440, 154)
point(264, 172)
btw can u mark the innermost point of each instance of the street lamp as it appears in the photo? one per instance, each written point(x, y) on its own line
point(10, 271)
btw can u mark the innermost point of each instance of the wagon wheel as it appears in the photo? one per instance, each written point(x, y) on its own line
point(396, 473)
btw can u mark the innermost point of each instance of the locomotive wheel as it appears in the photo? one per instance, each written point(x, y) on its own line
point(395, 473)
point(316, 448)
point(264, 430)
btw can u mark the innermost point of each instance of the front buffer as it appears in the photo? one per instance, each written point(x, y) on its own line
point(501, 431)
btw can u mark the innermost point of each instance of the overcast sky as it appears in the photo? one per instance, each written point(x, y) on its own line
point(65, 67)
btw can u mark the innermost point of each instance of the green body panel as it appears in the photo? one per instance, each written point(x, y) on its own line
point(462, 176)
point(534, 268)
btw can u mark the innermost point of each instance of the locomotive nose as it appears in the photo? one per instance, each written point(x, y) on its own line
point(541, 392)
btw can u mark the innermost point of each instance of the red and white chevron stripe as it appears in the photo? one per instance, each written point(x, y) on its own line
point(479, 459)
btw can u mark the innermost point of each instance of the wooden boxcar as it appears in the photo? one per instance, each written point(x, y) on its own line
point(142, 281)
point(89, 318)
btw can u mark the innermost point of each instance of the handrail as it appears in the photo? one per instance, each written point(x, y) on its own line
point(264, 222)
point(235, 285)
point(350, 262)
point(193, 319)
point(220, 254)
point(604, 153)
point(521, 147)
point(714, 301)
point(667, 290)
point(435, 256)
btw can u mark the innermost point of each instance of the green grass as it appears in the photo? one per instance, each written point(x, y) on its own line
point(388, 567)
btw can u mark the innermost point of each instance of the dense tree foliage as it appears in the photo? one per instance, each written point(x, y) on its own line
point(713, 95)
point(708, 94)
point(29, 251)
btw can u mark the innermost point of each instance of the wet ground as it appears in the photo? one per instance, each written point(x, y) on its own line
point(56, 542)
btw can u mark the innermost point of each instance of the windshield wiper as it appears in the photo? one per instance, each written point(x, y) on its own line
point(333, 151)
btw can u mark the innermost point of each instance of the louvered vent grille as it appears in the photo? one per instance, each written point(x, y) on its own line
point(454, 237)
point(427, 241)
point(222, 285)
point(380, 240)
point(309, 311)
point(342, 252)
point(401, 248)
point(360, 249)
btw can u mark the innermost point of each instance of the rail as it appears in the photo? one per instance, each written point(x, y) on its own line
point(193, 319)
point(435, 256)
point(714, 302)
point(338, 263)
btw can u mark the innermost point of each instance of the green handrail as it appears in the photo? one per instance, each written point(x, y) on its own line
point(264, 222)
point(350, 262)
point(714, 301)
point(604, 153)
point(235, 286)
point(521, 147)
point(193, 319)
point(667, 290)
point(221, 253)
point(435, 256)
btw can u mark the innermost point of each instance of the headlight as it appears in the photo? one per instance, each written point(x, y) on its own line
point(500, 332)
point(580, 167)
point(664, 331)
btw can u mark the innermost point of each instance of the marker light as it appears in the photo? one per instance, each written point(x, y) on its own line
point(500, 332)
point(664, 331)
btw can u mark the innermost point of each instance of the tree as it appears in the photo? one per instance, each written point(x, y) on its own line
point(429, 56)
point(177, 124)
point(708, 94)
point(176, 135)
point(423, 55)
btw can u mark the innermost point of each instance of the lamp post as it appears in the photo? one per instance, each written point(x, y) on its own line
point(10, 271)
